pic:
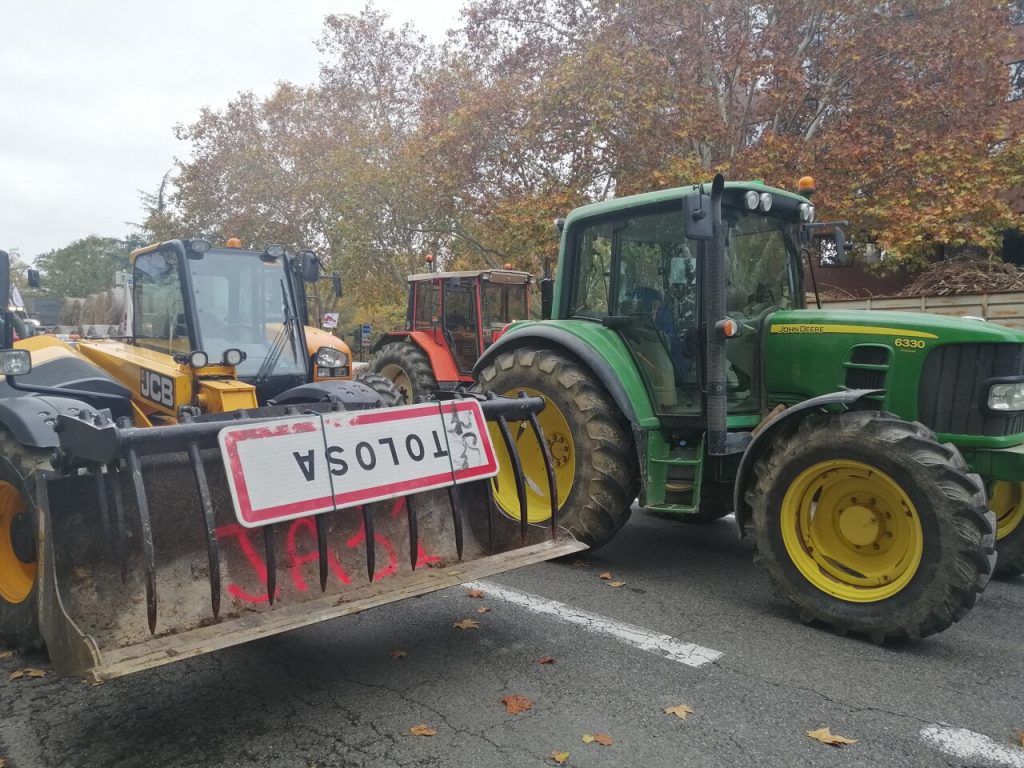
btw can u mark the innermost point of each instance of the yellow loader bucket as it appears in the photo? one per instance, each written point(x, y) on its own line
point(159, 544)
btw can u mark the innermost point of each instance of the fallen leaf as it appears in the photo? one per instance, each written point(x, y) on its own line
point(546, 660)
point(681, 711)
point(603, 739)
point(514, 703)
point(825, 736)
point(467, 624)
point(27, 672)
point(398, 654)
point(475, 593)
point(606, 576)
point(616, 583)
point(580, 564)
point(587, 739)
point(4, 762)
point(1020, 738)
point(482, 609)
point(422, 730)
point(558, 757)
point(5, 655)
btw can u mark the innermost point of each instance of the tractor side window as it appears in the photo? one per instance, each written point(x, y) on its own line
point(426, 305)
point(159, 308)
point(593, 271)
point(502, 304)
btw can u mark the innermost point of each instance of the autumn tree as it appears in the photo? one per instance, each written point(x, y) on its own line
point(85, 266)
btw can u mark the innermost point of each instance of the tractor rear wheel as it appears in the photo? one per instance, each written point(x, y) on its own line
point(383, 386)
point(407, 366)
point(19, 466)
point(588, 437)
point(1006, 500)
point(869, 525)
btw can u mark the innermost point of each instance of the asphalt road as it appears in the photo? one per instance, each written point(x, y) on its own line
point(333, 695)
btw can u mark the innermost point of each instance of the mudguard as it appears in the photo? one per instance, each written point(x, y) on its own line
point(31, 417)
point(763, 440)
point(351, 395)
point(610, 379)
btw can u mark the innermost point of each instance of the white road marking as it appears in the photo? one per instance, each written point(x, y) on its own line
point(968, 745)
point(653, 642)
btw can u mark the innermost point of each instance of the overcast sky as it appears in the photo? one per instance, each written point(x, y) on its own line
point(90, 92)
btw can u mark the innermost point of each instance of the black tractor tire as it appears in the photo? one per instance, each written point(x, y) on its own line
point(956, 541)
point(19, 468)
point(409, 367)
point(389, 393)
point(716, 502)
point(1010, 536)
point(601, 459)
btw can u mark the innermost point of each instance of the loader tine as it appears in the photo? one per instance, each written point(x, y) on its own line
point(103, 506)
point(114, 476)
point(456, 520)
point(135, 467)
point(549, 467)
point(268, 546)
point(321, 548)
point(371, 545)
point(517, 468)
point(205, 500)
point(414, 531)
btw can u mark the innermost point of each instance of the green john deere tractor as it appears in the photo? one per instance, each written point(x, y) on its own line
point(681, 367)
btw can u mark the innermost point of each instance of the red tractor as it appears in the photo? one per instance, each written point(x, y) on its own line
point(452, 318)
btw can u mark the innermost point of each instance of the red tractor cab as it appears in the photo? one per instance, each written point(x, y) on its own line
point(452, 318)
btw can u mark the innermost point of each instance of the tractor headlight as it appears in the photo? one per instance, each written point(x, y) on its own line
point(329, 357)
point(1006, 397)
point(751, 199)
point(806, 213)
point(766, 202)
point(198, 359)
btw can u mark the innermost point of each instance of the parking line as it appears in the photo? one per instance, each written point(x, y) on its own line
point(665, 646)
point(968, 745)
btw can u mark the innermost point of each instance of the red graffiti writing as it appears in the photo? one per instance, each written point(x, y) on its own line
point(301, 548)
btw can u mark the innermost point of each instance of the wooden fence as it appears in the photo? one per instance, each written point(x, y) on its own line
point(1003, 308)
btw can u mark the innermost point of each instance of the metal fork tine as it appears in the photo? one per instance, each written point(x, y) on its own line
point(371, 543)
point(103, 507)
point(414, 533)
point(206, 502)
point(517, 468)
point(114, 478)
point(268, 546)
point(456, 520)
point(135, 468)
point(321, 548)
point(549, 468)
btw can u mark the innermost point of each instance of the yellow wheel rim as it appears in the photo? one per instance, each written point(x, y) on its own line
point(851, 531)
point(1006, 500)
point(16, 577)
point(563, 454)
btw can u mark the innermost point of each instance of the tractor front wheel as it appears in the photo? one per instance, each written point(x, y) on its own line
point(1006, 500)
point(408, 367)
point(869, 525)
point(19, 624)
point(588, 437)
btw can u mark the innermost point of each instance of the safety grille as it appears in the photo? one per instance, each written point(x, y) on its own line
point(950, 394)
point(867, 367)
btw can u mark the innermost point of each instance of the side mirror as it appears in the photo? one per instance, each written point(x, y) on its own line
point(336, 284)
point(697, 217)
point(15, 362)
point(33, 279)
point(310, 266)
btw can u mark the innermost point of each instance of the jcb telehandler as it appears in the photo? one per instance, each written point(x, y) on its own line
point(212, 479)
point(680, 364)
